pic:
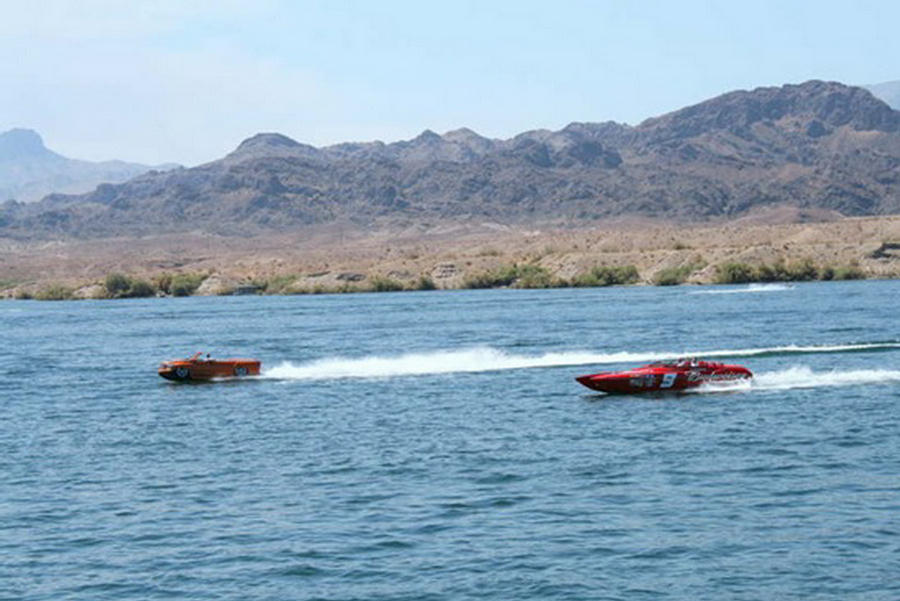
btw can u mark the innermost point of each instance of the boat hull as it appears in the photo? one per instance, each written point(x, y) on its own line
point(664, 378)
point(204, 370)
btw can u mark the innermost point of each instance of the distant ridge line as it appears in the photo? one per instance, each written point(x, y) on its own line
point(822, 149)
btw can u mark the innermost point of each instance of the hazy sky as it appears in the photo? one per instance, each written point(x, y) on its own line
point(187, 81)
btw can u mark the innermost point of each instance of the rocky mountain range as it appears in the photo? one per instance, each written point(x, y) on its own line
point(29, 170)
point(817, 145)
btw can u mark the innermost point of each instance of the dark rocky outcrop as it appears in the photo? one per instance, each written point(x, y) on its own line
point(817, 145)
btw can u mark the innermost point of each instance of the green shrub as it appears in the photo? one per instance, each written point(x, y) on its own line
point(533, 276)
point(163, 283)
point(280, 284)
point(121, 286)
point(502, 276)
point(518, 276)
point(384, 284)
point(605, 275)
point(776, 272)
point(803, 270)
point(735, 273)
point(185, 284)
point(117, 284)
point(505, 275)
point(480, 280)
point(345, 288)
point(799, 271)
point(54, 292)
point(849, 272)
point(141, 289)
point(425, 283)
point(672, 276)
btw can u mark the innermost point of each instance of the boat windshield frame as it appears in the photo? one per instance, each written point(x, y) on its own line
point(680, 362)
point(665, 363)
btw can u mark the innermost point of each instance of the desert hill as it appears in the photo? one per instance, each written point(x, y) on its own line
point(818, 146)
point(29, 170)
point(888, 91)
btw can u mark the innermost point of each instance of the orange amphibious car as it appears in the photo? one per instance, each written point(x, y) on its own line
point(198, 367)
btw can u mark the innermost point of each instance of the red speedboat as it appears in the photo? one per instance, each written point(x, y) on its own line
point(680, 374)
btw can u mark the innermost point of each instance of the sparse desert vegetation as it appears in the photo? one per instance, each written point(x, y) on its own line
point(800, 271)
point(460, 258)
point(672, 276)
point(606, 275)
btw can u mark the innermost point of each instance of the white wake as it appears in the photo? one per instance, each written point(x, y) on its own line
point(482, 359)
point(751, 289)
point(803, 377)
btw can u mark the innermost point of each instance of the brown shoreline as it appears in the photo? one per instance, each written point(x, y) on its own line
point(333, 257)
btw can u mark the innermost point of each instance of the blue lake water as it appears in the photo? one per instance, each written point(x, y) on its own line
point(435, 446)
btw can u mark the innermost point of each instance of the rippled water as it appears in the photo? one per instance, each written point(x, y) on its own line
point(436, 446)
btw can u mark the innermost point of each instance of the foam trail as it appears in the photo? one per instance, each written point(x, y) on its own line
point(442, 362)
point(752, 288)
point(483, 359)
point(803, 377)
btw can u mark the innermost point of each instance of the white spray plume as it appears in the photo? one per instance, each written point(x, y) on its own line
point(483, 359)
